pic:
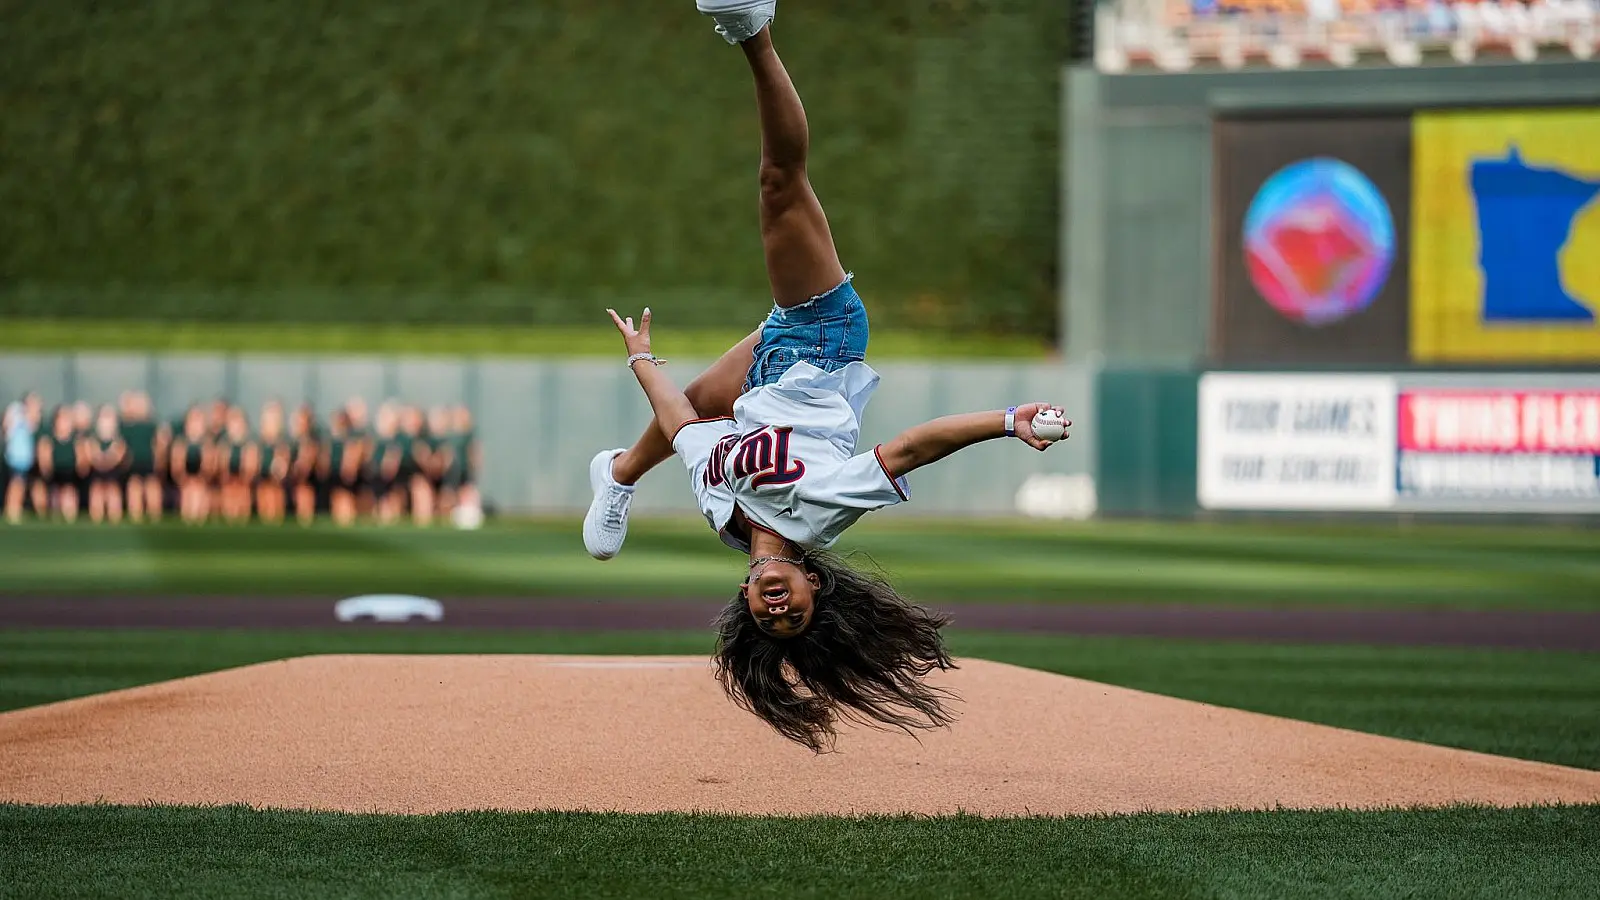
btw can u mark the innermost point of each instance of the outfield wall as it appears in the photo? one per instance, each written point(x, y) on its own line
point(541, 421)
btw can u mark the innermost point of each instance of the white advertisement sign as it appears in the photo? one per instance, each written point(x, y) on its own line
point(1297, 442)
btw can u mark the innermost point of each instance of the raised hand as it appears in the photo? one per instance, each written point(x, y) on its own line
point(637, 340)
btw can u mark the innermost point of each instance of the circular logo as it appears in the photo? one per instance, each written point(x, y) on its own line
point(1318, 241)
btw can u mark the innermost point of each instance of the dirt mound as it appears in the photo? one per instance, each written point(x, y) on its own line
point(418, 734)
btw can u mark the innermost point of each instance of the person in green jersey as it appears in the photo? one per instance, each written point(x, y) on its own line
point(59, 463)
point(416, 462)
point(301, 479)
point(362, 443)
point(436, 435)
point(240, 461)
point(461, 476)
point(272, 465)
point(192, 461)
point(341, 468)
point(389, 449)
point(147, 441)
point(108, 458)
point(83, 429)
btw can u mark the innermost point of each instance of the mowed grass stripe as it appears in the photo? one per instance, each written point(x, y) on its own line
point(1249, 564)
point(123, 852)
point(1529, 705)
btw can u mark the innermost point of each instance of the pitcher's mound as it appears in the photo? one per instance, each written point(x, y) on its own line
point(417, 734)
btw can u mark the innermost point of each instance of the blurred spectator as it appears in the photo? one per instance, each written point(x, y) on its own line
point(108, 457)
point(120, 461)
point(21, 425)
point(147, 442)
point(61, 466)
point(304, 450)
point(240, 460)
point(386, 462)
point(272, 465)
point(460, 481)
point(191, 465)
point(341, 469)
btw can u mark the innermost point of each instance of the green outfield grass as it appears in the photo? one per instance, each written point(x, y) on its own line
point(1277, 564)
point(599, 339)
point(1525, 704)
point(118, 852)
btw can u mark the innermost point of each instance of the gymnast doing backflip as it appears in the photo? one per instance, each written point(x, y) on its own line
point(768, 434)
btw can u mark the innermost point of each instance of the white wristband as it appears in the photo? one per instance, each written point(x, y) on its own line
point(650, 356)
point(1011, 422)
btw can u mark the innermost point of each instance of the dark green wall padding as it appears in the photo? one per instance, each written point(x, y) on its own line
point(487, 161)
point(1146, 429)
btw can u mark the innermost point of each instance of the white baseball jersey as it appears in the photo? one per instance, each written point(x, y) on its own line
point(787, 459)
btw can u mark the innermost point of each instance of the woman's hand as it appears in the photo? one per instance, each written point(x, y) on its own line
point(1024, 425)
point(637, 341)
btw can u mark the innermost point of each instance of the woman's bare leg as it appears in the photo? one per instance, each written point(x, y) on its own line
point(153, 499)
point(16, 488)
point(801, 259)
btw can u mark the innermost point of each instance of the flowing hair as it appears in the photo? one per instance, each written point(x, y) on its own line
point(862, 660)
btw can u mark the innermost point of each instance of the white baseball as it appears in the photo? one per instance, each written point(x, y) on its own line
point(1049, 425)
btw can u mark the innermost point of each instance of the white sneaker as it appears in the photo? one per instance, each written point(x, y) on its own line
point(606, 525)
point(739, 20)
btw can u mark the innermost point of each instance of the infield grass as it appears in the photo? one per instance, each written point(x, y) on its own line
point(122, 852)
point(1275, 564)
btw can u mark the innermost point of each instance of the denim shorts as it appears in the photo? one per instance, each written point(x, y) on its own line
point(828, 331)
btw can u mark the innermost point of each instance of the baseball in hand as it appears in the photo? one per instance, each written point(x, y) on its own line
point(1049, 425)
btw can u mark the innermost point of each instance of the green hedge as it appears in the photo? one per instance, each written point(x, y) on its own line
point(487, 161)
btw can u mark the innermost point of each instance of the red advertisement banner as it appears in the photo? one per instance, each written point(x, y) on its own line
point(1544, 422)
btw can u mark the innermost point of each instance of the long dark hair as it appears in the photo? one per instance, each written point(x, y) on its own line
point(862, 659)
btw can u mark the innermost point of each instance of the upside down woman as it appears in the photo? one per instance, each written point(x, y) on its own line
point(768, 434)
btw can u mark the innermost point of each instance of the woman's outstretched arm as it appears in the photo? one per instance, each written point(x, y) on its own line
point(673, 410)
point(932, 441)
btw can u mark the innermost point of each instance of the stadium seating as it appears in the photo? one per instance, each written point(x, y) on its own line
point(1179, 35)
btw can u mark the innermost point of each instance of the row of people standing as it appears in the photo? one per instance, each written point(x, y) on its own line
point(213, 462)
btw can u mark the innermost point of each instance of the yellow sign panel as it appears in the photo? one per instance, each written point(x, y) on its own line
point(1505, 237)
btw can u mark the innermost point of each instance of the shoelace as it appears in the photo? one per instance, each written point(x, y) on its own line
point(616, 508)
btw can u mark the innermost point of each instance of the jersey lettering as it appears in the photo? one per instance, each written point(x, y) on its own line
point(719, 458)
point(764, 458)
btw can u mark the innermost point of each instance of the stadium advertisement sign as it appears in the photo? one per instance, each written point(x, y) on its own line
point(1506, 236)
point(1312, 233)
point(1499, 450)
point(1407, 443)
point(1296, 442)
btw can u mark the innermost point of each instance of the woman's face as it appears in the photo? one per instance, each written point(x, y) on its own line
point(781, 597)
point(194, 424)
point(105, 425)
